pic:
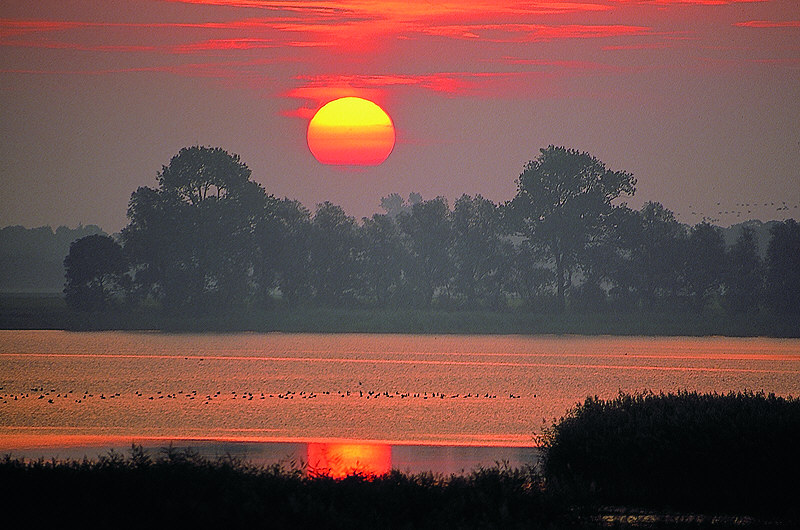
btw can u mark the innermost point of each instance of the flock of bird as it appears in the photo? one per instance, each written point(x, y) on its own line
point(744, 208)
point(51, 396)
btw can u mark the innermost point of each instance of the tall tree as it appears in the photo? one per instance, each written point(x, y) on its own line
point(704, 263)
point(95, 268)
point(333, 251)
point(384, 256)
point(562, 199)
point(783, 267)
point(744, 273)
point(478, 250)
point(281, 238)
point(527, 276)
point(428, 232)
point(651, 242)
point(191, 239)
point(197, 173)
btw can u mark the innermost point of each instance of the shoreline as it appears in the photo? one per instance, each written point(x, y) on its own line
point(29, 312)
point(308, 455)
point(27, 442)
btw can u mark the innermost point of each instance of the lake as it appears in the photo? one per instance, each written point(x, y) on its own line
point(413, 402)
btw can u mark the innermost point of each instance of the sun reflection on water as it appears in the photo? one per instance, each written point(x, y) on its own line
point(339, 460)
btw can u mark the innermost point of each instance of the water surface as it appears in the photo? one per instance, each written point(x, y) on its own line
point(100, 388)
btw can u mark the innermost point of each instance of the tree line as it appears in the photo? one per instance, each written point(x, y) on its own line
point(209, 238)
point(32, 259)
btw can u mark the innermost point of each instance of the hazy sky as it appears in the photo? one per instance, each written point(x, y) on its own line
point(699, 99)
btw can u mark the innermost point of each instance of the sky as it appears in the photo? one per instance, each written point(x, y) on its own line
point(699, 99)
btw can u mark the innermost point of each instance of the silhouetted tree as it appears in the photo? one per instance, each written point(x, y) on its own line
point(478, 250)
point(783, 268)
point(744, 274)
point(198, 173)
point(290, 250)
point(428, 232)
point(191, 240)
point(32, 259)
point(384, 256)
point(333, 248)
point(600, 263)
point(281, 239)
point(562, 198)
point(394, 204)
point(651, 242)
point(705, 264)
point(95, 268)
point(529, 277)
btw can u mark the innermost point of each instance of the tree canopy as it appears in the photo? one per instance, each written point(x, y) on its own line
point(563, 199)
point(191, 239)
point(207, 238)
point(95, 267)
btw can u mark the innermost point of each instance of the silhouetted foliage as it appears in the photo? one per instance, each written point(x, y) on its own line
point(724, 457)
point(209, 239)
point(783, 268)
point(704, 264)
point(744, 274)
point(529, 277)
point(652, 243)
point(182, 489)
point(394, 204)
point(32, 259)
point(428, 231)
point(294, 269)
point(95, 268)
point(199, 173)
point(383, 260)
point(735, 452)
point(281, 238)
point(191, 240)
point(480, 254)
point(563, 197)
point(333, 252)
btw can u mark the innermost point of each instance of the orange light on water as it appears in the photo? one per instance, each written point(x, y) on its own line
point(339, 460)
point(351, 131)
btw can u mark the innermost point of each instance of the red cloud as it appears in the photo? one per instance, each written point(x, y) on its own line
point(769, 24)
point(317, 90)
point(689, 2)
point(534, 32)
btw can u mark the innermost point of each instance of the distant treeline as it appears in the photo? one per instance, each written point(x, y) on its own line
point(208, 238)
point(32, 259)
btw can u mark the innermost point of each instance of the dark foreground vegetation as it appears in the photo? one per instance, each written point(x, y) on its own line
point(686, 451)
point(655, 461)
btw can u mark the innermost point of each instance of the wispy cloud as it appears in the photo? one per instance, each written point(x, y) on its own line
point(316, 90)
point(521, 33)
point(688, 2)
point(769, 24)
point(380, 36)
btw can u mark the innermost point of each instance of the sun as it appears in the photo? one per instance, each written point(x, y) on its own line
point(351, 131)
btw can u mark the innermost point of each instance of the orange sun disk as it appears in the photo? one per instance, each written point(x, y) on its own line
point(351, 131)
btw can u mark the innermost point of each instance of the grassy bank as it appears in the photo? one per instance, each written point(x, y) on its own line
point(50, 312)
